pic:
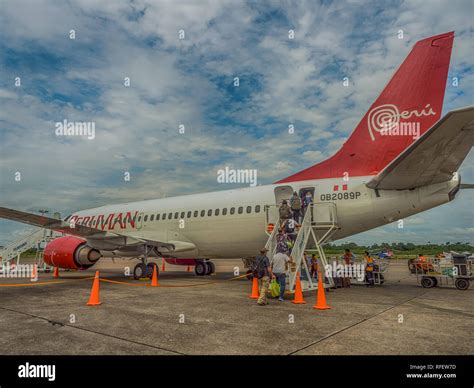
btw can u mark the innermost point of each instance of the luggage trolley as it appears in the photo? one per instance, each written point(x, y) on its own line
point(436, 272)
point(380, 270)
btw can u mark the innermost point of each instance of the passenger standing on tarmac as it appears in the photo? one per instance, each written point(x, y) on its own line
point(349, 259)
point(295, 203)
point(369, 269)
point(314, 266)
point(279, 266)
point(263, 272)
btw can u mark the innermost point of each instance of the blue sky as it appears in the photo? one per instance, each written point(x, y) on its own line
point(190, 82)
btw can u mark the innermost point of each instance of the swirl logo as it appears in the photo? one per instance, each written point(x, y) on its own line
point(382, 117)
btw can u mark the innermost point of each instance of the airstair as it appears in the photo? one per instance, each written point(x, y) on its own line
point(317, 227)
point(37, 239)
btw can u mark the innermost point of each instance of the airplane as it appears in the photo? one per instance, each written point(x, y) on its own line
point(401, 159)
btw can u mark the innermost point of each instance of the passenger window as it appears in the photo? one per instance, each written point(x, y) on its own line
point(182, 215)
point(209, 212)
point(170, 216)
point(145, 218)
point(164, 216)
point(152, 217)
point(216, 212)
point(176, 215)
point(189, 214)
point(232, 210)
point(157, 217)
point(257, 209)
point(249, 209)
point(241, 209)
point(224, 211)
point(203, 213)
point(196, 213)
point(139, 218)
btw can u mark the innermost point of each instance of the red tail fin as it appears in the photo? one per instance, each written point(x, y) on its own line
point(408, 106)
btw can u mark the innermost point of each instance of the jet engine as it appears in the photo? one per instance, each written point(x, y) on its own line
point(70, 252)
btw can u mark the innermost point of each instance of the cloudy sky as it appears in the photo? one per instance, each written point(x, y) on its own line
point(190, 81)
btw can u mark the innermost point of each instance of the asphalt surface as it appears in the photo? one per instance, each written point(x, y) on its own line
point(214, 315)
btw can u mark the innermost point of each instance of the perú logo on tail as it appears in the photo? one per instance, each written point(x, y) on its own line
point(386, 117)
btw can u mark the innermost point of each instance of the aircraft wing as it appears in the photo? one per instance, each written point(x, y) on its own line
point(50, 223)
point(110, 239)
point(434, 157)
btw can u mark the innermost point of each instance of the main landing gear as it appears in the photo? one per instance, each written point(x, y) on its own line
point(144, 269)
point(204, 267)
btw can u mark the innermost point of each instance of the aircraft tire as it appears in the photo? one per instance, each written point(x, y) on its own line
point(211, 268)
point(200, 268)
point(140, 271)
point(150, 267)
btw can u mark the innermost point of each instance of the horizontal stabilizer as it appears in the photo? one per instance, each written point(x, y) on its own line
point(434, 157)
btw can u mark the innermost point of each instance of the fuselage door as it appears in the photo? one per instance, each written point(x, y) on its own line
point(281, 193)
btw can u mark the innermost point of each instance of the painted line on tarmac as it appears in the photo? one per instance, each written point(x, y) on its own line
point(93, 331)
point(355, 324)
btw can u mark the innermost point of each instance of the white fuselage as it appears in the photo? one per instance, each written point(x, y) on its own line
point(242, 233)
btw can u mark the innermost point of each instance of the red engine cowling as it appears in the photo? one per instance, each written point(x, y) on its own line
point(71, 253)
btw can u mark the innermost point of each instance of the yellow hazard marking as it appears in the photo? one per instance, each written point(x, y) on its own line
point(31, 284)
point(44, 283)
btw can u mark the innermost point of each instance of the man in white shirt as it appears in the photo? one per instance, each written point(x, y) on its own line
point(279, 265)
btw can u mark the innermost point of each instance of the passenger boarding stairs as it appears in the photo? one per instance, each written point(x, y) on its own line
point(318, 226)
point(37, 239)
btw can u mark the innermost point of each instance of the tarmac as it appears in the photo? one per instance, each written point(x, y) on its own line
point(214, 315)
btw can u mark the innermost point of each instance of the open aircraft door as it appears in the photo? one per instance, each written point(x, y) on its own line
point(281, 193)
point(271, 211)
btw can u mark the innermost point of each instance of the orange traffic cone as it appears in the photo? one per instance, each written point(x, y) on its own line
point(94, 299)
point(321, 297)
point(163, 266)
point(298, 291)
point(154, 278)
point(34, 273)
point(255, 292)
point(56, 272)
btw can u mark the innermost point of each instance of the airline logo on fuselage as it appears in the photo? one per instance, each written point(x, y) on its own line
point(388, 116)
point(106, 221)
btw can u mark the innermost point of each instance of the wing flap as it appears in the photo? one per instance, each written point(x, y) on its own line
point(434, 157)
